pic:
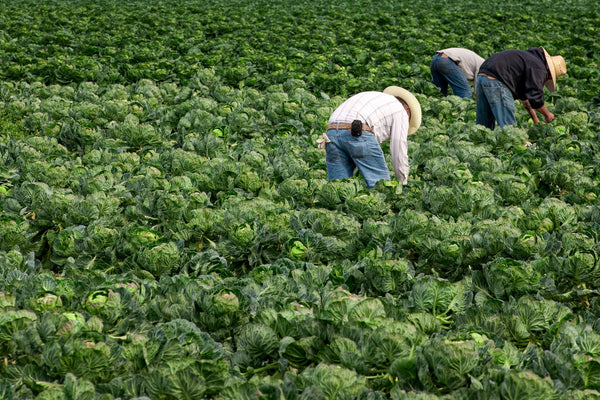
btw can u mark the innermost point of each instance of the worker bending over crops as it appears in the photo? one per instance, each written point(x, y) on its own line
point(456, 67)
point(516, 74)
point(358, 127)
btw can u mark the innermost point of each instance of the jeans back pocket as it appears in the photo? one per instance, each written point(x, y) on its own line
point(357, 148)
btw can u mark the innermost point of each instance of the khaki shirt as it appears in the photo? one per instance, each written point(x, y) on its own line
point(468, 61)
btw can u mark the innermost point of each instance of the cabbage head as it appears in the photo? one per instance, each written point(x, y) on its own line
point(300, 352)
point(66, 244)
point(73, 323)
point(100, 237)
point(579, 268)
point(439, 298)
point(391, 341)
point(505, 277)
point(243, 235)
point(335, 193)
point(225, 302)
point(526, 246)
point(7, 300)
point(258, 341)
point(163, 258)
point(314, 247)
point(299, 191)
point(46, 302)
point(105, 303)
point(368, 313)
point(381, 276)
point(134, 238)
point(13, 321)
point(368, 205)
point(326, 222)
point(14, 232)
point(526, 385)
point(448, 363)
point(333, 382)
point(341, 350)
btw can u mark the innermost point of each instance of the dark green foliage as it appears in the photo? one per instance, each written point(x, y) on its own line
point(167, 229)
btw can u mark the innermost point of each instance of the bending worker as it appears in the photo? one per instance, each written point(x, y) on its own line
point(516, 74)
point(455, 67)
point(358, 126)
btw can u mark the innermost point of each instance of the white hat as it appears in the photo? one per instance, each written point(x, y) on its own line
point(557, 67)
point(412, 103)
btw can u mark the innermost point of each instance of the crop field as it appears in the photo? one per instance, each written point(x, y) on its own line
point(167, 229)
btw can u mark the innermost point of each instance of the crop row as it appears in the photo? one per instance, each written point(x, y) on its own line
point(167, 229)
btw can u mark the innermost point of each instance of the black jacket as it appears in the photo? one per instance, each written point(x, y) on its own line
point(523, 72)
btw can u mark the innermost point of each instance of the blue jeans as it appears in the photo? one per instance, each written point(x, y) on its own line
point(445, 72)
point(346, 152)
point(495, 103)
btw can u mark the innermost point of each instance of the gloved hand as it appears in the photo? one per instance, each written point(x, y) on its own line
point(322, 143)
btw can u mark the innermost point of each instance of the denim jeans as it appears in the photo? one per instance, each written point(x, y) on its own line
point(346, 152)
point(445, 72)
point(495, 103)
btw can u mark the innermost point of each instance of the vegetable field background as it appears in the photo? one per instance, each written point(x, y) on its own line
point(167, 230)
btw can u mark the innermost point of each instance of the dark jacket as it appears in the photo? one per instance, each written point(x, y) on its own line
point(523, 72)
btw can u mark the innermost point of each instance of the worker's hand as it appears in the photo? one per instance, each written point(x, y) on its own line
point(548, 116)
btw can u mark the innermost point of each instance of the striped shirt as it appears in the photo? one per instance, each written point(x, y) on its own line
point(388, 121)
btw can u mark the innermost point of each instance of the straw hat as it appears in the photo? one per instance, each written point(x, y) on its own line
point(557, 67)
point(413, 105)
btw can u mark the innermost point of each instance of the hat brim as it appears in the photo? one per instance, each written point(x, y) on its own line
point(550, 83)
point(413, 105)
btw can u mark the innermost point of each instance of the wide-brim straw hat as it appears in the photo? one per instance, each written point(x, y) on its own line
point(557, 67)
point(412, 103)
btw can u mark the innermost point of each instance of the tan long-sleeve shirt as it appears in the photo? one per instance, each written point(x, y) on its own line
point(468, 61)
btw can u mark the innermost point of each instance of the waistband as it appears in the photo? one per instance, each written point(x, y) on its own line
point(486, 75)
point(346, 125)
point(439, 53)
